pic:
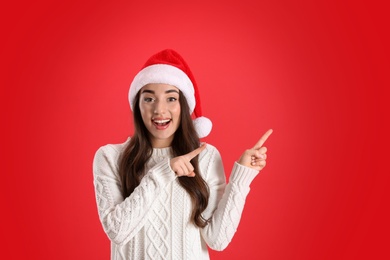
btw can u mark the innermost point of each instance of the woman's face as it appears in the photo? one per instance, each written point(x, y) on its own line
point(160, 111)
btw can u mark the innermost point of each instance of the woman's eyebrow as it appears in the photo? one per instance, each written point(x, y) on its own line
point(147, 91)
point(166, 92)
point(172, 90)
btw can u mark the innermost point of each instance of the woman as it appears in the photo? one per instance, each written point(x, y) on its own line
point(162, 194)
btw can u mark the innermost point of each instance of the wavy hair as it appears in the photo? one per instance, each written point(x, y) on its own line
point(139, 150)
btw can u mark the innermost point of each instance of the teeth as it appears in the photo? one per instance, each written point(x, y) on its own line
point(162, 121)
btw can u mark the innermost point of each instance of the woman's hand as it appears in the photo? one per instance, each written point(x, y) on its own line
point(182, 166)
point(255, 157)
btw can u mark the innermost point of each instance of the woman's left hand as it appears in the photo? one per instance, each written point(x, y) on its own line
point(255, 157)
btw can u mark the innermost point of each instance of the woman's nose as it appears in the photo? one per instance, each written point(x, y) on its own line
point(159, 108)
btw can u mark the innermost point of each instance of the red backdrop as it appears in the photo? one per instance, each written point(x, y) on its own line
point(314, 71)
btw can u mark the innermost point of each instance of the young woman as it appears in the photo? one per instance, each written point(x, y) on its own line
point(162, 194)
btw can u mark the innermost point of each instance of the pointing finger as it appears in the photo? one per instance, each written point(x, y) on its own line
point(263, 139)
point(195, 152)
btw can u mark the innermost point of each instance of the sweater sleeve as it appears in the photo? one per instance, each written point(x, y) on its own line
point(123, 218)
point(226, 202)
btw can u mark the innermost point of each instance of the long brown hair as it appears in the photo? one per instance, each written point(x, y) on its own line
point(139, 150)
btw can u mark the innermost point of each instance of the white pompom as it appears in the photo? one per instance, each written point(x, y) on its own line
point(203, 126)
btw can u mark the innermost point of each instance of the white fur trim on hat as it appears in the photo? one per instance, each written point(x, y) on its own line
point(203, 126)
point(163, 74)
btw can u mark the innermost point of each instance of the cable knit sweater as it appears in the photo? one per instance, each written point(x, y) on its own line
point(154, 221)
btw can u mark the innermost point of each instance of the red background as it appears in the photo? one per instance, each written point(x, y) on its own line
point(314, 71)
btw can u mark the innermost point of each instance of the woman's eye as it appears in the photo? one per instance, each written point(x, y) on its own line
point(171, 99)
point(148, 99)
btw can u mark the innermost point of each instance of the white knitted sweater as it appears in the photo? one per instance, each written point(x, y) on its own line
point(154, 221)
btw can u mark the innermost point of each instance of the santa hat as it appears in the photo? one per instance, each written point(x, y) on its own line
point(168, 67)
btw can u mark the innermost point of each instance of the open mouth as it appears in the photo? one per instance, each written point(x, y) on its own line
point(161, 123)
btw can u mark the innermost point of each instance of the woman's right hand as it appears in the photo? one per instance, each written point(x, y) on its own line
point(182, 166)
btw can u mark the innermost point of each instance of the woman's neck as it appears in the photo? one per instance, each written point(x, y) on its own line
point(161, 143)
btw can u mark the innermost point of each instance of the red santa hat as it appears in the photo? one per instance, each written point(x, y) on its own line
point(168, 67)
